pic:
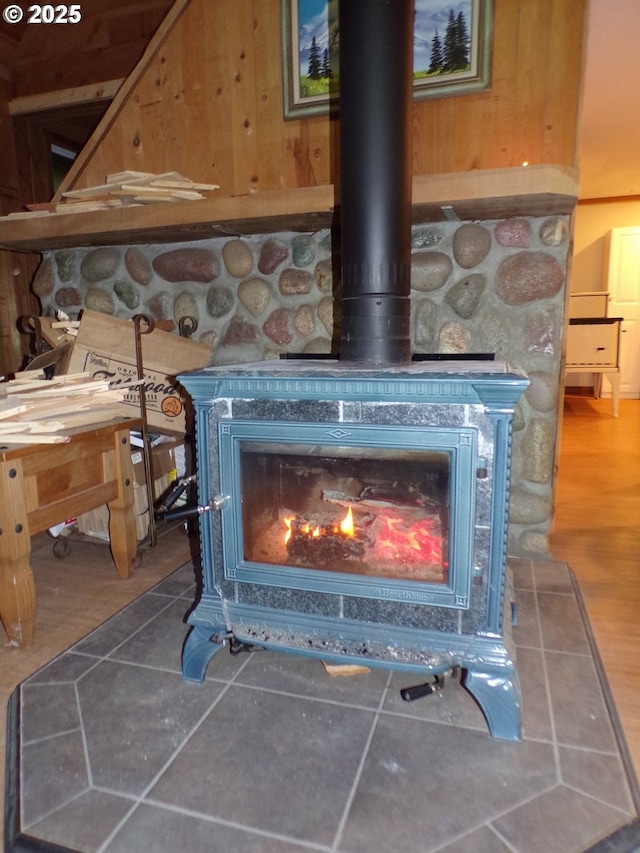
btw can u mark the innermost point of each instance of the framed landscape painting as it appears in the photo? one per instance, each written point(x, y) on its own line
point(451, 51)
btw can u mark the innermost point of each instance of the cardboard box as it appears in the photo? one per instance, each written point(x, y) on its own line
point(96, 522)
point(105, 347)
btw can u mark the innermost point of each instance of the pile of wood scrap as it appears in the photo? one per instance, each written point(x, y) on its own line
point(35, 410)
point(62, 330)
point(124, 189)
point(67, 330)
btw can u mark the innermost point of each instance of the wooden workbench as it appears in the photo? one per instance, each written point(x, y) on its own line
point(44, 484)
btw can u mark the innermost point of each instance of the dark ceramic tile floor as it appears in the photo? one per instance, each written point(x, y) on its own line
point(112, 751)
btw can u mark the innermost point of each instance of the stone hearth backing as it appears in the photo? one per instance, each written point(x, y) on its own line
point(491, 287)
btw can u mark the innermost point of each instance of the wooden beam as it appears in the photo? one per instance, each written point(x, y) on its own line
point(491, 194)
point(95, 93)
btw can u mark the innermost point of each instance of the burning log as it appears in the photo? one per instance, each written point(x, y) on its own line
point(377, 498)
point(394, 542)
point(323, 544)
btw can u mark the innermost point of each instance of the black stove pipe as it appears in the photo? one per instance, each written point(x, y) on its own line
point(376, 86)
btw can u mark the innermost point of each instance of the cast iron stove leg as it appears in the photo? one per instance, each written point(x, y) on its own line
point(498, 694)
point(199, 647)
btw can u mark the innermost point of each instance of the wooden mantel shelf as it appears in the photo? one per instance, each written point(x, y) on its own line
point(545, 190)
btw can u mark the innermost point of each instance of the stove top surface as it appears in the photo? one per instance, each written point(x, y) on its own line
point(332, 367)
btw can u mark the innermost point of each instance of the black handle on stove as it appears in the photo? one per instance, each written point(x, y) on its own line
point(176, 514)
point(217, 502)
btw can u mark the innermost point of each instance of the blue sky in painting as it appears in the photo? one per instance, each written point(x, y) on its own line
point(431, 16)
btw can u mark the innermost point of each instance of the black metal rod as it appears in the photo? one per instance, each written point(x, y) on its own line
point(376, 86)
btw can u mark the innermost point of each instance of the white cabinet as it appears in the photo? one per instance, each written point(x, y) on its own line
point(593, 343)
point(593, 346)
point(588, 303)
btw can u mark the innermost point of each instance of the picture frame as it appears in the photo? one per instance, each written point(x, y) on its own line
point(461, 29)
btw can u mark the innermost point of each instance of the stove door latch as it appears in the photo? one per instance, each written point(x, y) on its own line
point(217, 502)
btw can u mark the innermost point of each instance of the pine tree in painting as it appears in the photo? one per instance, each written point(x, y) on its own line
point(315, 64)
point(326, 66)
point(456, 45)
point(436, 54)
point(461, 50)
point(452, 54)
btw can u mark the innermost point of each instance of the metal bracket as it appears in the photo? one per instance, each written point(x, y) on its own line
point(236, 646)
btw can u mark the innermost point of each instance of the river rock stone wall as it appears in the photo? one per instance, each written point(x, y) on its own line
point(495, 286)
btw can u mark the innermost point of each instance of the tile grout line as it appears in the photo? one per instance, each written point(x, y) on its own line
point(85, 753)
point(130, 636)
point(140, 798)
point(365, 753)
point(543, 649)
point(243, 827)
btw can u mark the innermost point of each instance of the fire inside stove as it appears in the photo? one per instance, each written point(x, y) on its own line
point(342, 509)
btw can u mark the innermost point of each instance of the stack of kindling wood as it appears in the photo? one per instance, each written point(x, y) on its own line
point(123, 189)
point(35, 410)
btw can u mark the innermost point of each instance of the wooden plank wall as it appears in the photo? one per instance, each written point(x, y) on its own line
point(35, 63)
point(106, 44)
point(208, 103)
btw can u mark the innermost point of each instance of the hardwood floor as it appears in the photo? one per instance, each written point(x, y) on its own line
point(597, 532)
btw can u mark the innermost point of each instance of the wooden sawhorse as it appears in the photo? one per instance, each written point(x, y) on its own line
point(44, 484)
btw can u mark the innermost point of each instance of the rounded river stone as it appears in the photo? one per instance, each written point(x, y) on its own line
point(127, 293)
point(187, 264)
point(295, 282)
point(426, 318)
point(528, 276)
point(97, 299)
point(542, 393)
point(304, 320)
point(453, 338)
point(100, 264)
point(303, 250)
point(319, 345)
point(323, 274)
point(276, 327)
point(237, 258)
point(239, 332)
point(220, 301)
point(513, 233)
point(160, 305)
point(254, 294)
point(44, 281)
point(65, 264)
point(272, 254)
point(471, 245)
point(429, 270)
point(325, 313)
point(465, 296)
point(185, 305)
point(553, 231)
point(68, 297)
point(138, 266)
